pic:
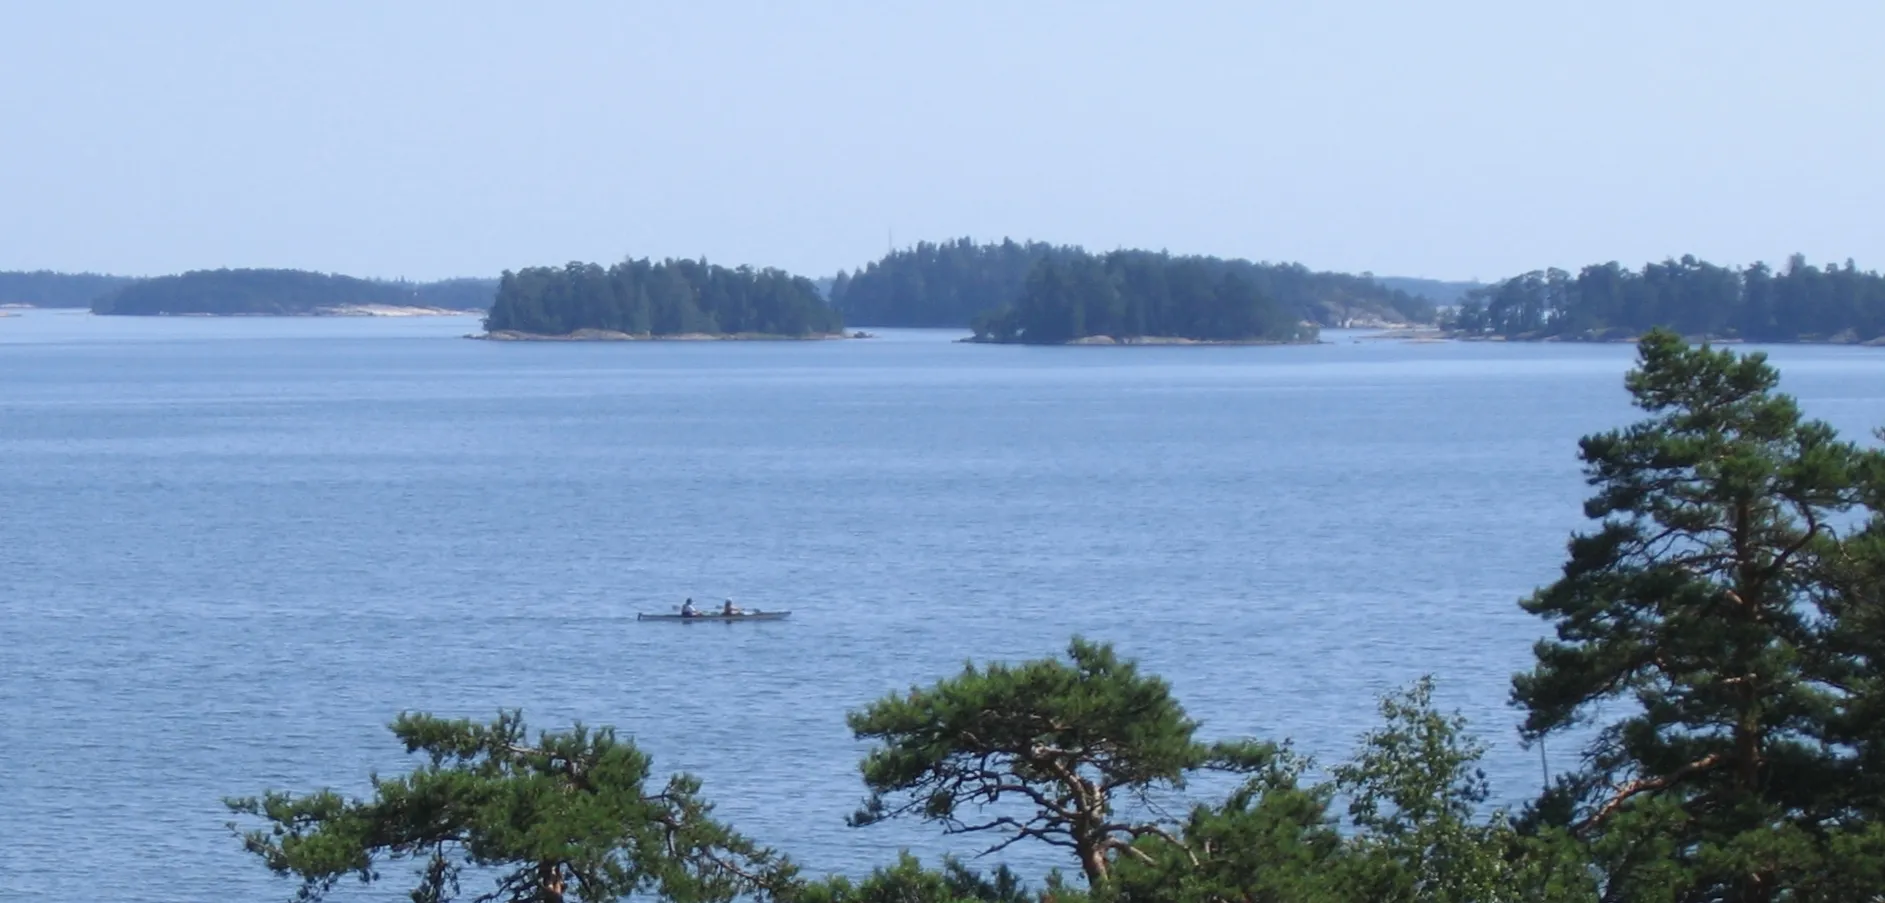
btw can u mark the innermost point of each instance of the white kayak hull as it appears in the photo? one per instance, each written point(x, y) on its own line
point(716, 616)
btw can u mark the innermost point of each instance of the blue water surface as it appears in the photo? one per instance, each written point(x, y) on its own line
point(231, 550)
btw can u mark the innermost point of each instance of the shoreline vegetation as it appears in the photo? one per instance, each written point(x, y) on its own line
point(345, 310)
point(643, 300)
point(1143, 340)
point(1040, 294)
point(610, 335)
point(1797, 304)
point(1137, 297)
point(227, 293)
point(1035, 293)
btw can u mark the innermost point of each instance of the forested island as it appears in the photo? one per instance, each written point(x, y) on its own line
point(264, 292)
point(1606, 302)
point(1711, 679)
point(640, 299)
point(950, 284)
point(44, 288)
point(1143, 297)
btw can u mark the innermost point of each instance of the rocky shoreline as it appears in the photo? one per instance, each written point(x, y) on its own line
point(1618, 338)
point(1140, 340)
point(609, 335)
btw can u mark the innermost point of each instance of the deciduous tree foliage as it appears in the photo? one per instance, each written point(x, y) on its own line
point(569, 816)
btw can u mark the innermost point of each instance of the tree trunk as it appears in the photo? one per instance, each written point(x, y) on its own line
point(550, 882)
point(1092, 861)
point(1748, 735)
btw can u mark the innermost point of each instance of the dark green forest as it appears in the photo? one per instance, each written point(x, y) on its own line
point(1712, 680)
point(283, 293)
point(44, 288)
point(672, 297)
point(1756, 303)
point(949, 284)
point(1131, 294)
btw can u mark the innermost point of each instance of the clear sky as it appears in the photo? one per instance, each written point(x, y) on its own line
point(1439, 138)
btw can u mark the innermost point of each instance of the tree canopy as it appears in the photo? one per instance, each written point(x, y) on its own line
point(951, 284)
point(44, 288)
point(283, 292)
point(1692, 297)
point(1700, 605)
point(570, 816)
point(1130, 294)
point(672, 297)
point(1063, 740)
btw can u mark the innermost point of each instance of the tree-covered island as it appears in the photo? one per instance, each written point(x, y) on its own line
point(1606, 302)
point(267, 292)
point(45, 288)
point(641, 299)
point(1138, 297)
point(960, 283)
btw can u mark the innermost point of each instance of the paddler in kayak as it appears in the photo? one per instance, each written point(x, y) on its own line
point(687, 609)
point(729, 611)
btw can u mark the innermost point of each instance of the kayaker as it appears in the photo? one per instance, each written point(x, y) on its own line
point(687, 609)
point(729, 610)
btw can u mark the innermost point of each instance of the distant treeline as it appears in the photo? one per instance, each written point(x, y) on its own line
point(44, 288)
point(1693, 297)
point(673, 297)
point(284, 292)
point(952, 283)
point(1129, 294)
point(1439, 291)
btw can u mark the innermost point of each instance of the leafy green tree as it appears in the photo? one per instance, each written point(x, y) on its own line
point(1419, 833)
point(1696, 613)
point(909, 882)
point(1272, 840)
point(1044, 751)
point(568, 817)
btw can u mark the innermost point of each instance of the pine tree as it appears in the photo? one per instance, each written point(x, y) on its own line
point(1696, 611)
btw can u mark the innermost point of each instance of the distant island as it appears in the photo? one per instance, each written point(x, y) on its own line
point(44, 288)
point(291, 293)
point(951, 284)
point(1138, 297)
point(672, 299)
point(1607, 303)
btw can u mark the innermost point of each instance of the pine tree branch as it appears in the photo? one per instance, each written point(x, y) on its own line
point(1647, 785)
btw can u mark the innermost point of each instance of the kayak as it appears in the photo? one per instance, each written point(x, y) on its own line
point(716, 616)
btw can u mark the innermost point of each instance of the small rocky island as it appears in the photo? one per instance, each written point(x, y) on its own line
point(673, 300)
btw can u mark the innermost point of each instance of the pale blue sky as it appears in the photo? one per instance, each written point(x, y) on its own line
point(1441, 138)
